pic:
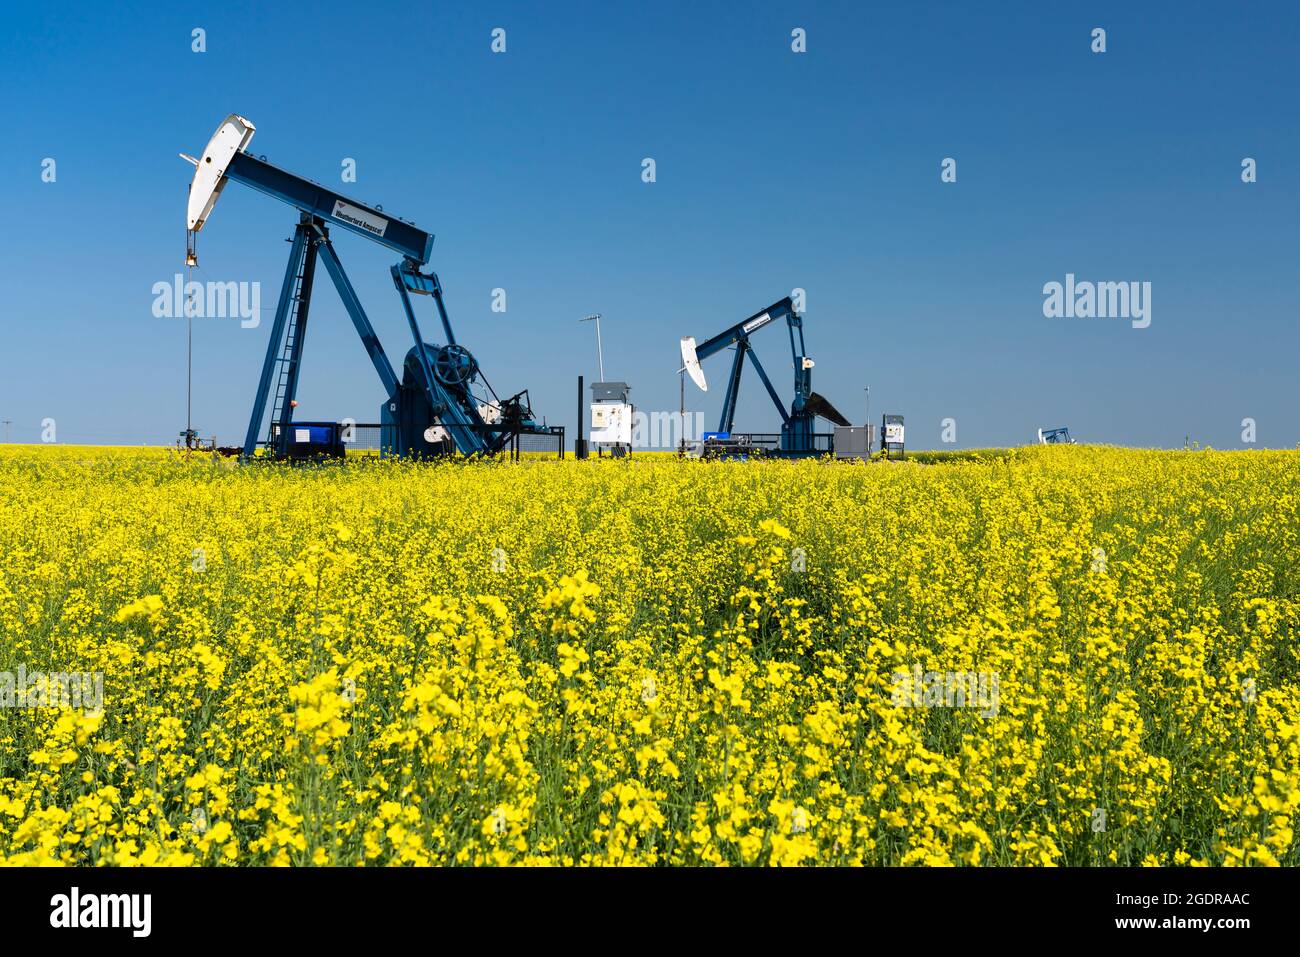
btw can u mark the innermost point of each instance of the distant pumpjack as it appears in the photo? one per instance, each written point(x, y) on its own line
point(798, 436)
point(1059, 436)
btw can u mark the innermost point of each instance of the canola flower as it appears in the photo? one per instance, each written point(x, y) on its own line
point(653, 662)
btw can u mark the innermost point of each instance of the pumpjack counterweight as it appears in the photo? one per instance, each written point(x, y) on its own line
point(442, 401)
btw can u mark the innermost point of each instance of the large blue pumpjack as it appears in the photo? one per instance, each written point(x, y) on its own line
point(442, 401)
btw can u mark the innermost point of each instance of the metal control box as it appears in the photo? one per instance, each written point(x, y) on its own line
point(852, 441)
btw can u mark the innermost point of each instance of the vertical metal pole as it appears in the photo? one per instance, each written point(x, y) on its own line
point(681, 414)
point(579, 445)
point(868, 421)
point(191, 260)
point(189, 360)
point(189, 377)
point(600, 354)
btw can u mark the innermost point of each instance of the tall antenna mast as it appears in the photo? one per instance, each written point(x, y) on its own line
point(600, 354)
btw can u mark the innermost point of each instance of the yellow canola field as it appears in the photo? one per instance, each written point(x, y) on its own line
point(1046, 656)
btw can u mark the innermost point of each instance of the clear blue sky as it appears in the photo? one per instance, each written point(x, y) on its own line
point(775, 170)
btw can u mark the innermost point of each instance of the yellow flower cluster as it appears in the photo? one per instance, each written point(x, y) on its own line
point(1044, 656)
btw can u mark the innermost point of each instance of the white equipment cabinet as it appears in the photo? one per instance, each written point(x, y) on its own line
point(611, 418)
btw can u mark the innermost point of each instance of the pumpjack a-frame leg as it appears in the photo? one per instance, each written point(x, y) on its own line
point(298, 330)
point(767, 384)
point(360, 321)
point(310, 239)
point(733, 388)
point(302, 237)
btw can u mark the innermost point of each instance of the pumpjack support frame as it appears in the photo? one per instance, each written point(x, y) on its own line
point(434, 406)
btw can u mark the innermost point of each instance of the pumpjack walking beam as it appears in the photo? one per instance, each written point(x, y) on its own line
point(335, 208)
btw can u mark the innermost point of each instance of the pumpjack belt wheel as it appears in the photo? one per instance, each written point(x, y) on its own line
point(454, 365)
